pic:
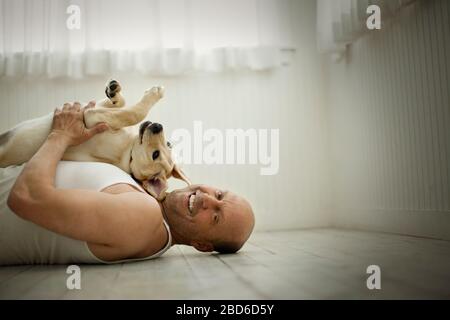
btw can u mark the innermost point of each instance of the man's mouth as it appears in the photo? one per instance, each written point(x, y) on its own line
point(191, 201)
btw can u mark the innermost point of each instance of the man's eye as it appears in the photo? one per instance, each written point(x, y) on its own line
point(155, 155)
point(219, 195)
point(216, 218)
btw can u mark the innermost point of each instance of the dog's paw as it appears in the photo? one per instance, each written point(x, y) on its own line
point(154, 93)
point(112, 89)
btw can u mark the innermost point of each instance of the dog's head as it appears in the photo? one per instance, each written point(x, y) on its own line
point(151, 160)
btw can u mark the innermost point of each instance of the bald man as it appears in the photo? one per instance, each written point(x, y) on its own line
point(54, 211)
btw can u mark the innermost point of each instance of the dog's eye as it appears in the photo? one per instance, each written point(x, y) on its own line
point(169, 144)
point(155, 155)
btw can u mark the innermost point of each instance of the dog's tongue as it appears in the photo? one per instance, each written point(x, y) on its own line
point(157, 186)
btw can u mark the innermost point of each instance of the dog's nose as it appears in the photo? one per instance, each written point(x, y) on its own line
point(155, 128)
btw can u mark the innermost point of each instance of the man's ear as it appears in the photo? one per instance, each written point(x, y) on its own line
point(156, 187)
point(203, 246)
point(179, 174)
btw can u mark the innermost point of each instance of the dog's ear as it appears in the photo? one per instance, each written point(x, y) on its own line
point(156, 187)
point(179, 174)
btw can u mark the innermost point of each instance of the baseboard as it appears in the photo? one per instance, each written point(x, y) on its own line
point(429, 224)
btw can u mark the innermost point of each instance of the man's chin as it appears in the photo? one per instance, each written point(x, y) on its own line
point(175, 202)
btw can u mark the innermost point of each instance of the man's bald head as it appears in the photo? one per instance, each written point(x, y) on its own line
point(209, 218)
point(242, 221)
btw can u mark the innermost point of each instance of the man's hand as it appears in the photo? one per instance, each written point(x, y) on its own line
point(68, 123)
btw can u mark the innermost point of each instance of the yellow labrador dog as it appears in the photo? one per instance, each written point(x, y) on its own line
point(142, 151)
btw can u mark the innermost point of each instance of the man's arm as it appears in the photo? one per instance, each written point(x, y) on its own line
point(95, 217)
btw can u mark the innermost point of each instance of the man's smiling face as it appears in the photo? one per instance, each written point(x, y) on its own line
point(203, 216)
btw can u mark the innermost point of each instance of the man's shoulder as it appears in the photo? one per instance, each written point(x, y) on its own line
point(142, 207)
point(140, 201)
point(145, 230)
point(150, 232)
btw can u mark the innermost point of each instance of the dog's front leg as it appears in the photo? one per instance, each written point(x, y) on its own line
point(127, 116)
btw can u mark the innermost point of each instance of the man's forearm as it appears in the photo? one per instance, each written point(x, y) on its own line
point(38, 176)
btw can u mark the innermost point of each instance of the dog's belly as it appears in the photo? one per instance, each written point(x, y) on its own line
point(112, 147)
point(19, 144)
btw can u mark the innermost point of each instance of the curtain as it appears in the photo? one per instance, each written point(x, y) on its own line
point(341, 22)
point(149, 37)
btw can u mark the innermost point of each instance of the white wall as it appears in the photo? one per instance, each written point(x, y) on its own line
point(364, 145)
point(290, 98)
point(390, 124)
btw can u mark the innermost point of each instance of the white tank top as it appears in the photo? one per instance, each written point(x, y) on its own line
point(23, 242)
